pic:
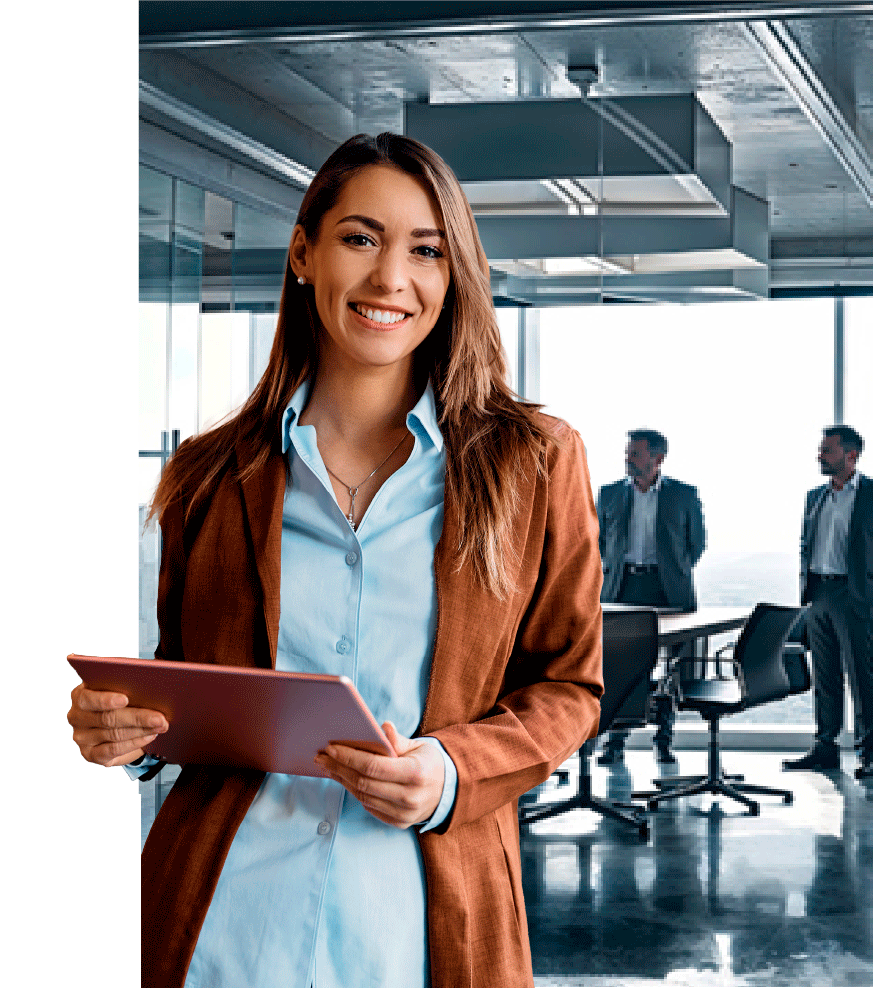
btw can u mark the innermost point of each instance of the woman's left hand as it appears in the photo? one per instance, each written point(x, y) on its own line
point(399, 791)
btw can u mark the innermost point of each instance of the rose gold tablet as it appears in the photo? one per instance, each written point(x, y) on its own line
point(246, 718)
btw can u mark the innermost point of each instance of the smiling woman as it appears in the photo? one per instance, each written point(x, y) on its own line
point(452, 573)
point(379, 271)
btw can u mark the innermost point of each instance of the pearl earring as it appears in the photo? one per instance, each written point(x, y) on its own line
point(301, 280)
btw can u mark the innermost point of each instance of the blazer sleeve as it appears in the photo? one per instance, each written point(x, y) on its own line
point(554, 679)
point(696, 529)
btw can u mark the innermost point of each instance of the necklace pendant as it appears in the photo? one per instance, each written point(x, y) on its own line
point(351, 519)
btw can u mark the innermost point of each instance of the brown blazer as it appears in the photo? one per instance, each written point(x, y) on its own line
point(514, 690)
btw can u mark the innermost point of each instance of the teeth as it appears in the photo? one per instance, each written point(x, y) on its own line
point(378, 315)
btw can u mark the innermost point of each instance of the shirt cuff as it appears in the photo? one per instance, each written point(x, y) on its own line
point(450, 788)
point(144, 768)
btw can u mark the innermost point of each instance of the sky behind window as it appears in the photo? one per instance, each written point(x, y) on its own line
point(741, 390)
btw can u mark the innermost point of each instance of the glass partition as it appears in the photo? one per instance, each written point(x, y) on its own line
point(210, 281)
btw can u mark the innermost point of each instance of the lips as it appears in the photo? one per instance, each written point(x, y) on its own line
point(383, 317)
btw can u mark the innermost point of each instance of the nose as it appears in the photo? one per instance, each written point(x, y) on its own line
point(390, 271)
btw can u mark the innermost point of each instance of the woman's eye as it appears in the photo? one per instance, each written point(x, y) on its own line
point(358, 240)
point(425, 250)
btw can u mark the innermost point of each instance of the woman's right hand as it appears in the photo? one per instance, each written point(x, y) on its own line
point(108, 731)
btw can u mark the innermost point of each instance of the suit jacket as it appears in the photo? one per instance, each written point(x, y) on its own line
point(679, 534)
point(514, 690)
point(860, 544)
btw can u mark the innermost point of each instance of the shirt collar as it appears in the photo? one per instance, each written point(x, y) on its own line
point(421, 420)
point(424, 416)
point(852, 483)
point(295, 407)
point(655, 487)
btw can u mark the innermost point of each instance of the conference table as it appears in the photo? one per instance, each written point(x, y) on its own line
point(679, 627)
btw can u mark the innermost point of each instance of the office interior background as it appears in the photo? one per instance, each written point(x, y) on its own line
point(676, 201)
point(721, 290)
point(676, 207)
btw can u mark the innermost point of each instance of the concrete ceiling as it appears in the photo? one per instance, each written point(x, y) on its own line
point(789, 85)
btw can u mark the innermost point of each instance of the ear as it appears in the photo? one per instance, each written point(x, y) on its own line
point(298, 253)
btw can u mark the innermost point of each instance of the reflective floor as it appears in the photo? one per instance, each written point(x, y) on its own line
point(716, 897)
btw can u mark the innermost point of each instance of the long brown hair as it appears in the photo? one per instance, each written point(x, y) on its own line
point(490, 436)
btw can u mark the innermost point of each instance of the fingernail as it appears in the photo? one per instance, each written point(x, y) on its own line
point(156, 722)
point(330, 750)
point(118, 700)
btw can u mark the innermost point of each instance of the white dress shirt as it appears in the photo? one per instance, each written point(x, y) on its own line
point(641, 545)
point(830, 548)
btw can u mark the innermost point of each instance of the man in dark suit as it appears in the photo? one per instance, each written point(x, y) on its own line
point(651, 537)
point(836, 580)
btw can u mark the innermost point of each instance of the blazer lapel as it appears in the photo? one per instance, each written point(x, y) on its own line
point(664, 491)
point(814, 512)
point(263, 495)
point(626, 508)
point(462, 605)
point(862, 507)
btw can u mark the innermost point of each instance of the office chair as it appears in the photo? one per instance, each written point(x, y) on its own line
point(760, 671)
point(630, 652)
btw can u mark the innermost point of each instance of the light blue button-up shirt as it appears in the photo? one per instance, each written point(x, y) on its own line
point(315, 890)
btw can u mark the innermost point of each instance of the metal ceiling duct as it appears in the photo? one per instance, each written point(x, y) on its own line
point(655, 137)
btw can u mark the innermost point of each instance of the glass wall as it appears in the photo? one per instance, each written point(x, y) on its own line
point(210, 280)
point(742, 391)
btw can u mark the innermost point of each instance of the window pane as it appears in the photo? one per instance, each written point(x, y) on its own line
point(741, 390)
point(858, 374)
point(153, 324)
point(507, 322)
point(224, 365)
point(260, 249)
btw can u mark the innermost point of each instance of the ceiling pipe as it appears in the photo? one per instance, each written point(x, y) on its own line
point(165, 24)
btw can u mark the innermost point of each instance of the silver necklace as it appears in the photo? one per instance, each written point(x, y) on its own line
point(353, 491)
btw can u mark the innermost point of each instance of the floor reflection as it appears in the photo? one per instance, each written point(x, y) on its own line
point(716, 896)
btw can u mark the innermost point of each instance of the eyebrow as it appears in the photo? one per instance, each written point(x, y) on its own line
point(380, 227)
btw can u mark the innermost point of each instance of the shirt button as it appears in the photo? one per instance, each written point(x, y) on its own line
point(351, 558)
point(324, 828)
point(343, 645)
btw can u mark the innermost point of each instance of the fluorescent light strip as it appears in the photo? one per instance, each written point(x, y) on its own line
point(559, 192)
point(191, 117)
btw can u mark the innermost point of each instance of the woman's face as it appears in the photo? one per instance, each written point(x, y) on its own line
point(379, 268)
